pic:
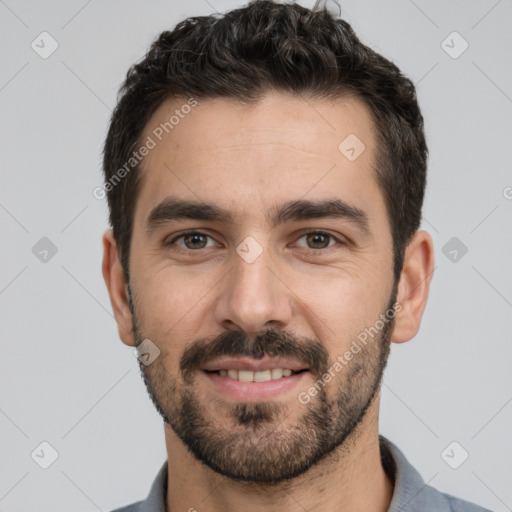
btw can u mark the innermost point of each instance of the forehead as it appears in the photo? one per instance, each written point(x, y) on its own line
point(250, 156)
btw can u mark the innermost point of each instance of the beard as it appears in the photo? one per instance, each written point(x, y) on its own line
point(251, 441)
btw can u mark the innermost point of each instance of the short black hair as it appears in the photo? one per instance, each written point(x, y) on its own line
point(263, 47)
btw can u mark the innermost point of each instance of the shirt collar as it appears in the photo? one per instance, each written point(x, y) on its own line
point(155, 502)
point(410, 491)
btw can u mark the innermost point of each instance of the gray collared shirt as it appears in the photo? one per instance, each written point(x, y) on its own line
point(410, 493)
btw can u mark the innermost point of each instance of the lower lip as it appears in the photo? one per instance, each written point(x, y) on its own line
point(254, 391)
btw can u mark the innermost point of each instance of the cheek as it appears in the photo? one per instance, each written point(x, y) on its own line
point(167, 307)
point(339, 311)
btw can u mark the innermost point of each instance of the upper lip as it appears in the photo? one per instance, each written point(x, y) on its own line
point(254, 365)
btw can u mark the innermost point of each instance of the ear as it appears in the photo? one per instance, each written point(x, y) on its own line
point(117, 288)
point(414, 286)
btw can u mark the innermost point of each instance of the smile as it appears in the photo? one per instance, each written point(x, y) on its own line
point(285, 387)
point(256, 376)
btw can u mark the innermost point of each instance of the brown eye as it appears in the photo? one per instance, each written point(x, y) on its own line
point(317, 240)
point(193, 240)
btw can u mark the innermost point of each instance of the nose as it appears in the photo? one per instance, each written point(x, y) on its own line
point(253, 297)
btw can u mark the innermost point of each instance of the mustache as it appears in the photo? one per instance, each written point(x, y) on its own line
point(272, 343)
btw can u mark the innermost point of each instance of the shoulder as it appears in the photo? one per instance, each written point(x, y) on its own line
point(155, 500)
point(430, 499)
point(459, 505)
point(134, 507)
point(411, 493)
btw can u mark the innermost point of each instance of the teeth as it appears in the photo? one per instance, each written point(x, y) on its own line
point(245, 376)
point(259, 376)
point(276, 373)
point(262, 376)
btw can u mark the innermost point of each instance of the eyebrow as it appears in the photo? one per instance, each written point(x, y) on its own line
point(171, 209)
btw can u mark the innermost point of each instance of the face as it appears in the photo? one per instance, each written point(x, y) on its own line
point(261, 267)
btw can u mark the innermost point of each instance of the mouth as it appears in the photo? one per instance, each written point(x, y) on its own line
point(248, 379)
point(255, 376)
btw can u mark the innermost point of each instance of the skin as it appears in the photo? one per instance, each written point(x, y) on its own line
point(249, 159)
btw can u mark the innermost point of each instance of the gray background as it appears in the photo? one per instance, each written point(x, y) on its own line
point(68, 380)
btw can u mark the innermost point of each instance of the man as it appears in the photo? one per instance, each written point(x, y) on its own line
point(265, 174)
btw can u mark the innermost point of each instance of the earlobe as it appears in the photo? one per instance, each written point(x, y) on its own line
point(414, 286)
point(117, 288)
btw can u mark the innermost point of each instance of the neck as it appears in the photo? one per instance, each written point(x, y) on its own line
point(350, 478)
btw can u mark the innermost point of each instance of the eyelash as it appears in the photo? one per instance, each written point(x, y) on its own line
point(313, 232)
